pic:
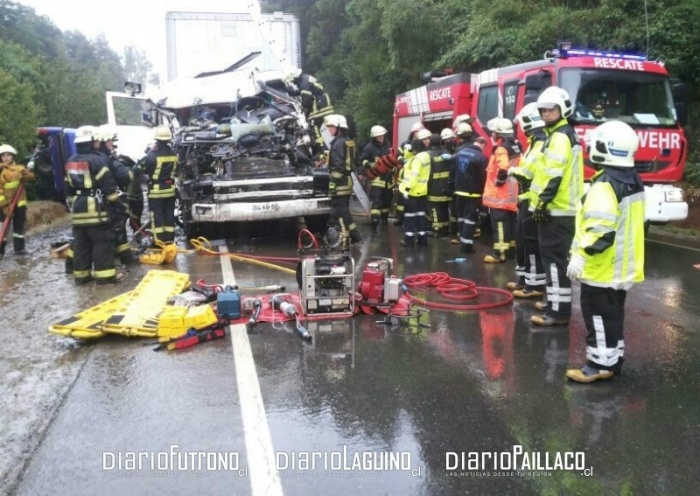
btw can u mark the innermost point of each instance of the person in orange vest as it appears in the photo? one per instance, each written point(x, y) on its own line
point(501, 190)
point(12, 175)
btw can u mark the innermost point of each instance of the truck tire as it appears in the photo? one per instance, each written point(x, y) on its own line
point(316, 223)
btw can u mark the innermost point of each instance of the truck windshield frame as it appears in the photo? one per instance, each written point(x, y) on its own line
point(637, 98)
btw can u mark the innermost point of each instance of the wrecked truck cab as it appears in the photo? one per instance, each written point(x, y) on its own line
point(244, 151)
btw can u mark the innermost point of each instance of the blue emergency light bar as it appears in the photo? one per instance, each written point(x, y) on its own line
point(575, 52)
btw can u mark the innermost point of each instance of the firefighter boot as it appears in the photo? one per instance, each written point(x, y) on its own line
point(588, 374)
point(495, 258)
point(527, 293)
point(546, 320)
point(520, 284)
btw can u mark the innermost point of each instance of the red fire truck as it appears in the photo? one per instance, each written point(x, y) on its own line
point(603, 85)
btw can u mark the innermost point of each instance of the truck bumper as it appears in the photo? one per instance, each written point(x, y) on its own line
point(256, 211)
point(664, 203)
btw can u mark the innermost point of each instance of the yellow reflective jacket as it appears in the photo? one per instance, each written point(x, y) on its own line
point(416, 175)
point(10, 178)
point(529, 163)
point(610, 230)
point(559, 182)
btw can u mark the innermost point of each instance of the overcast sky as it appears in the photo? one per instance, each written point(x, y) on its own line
point(139, 23)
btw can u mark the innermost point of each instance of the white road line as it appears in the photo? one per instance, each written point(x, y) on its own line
point(262, 469)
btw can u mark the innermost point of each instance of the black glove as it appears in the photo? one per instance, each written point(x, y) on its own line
point(541, 214)
point(501, 177)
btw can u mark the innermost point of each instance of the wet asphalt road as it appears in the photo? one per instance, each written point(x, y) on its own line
point(473, 382)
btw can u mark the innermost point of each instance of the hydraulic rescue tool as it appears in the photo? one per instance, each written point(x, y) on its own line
point(287, 308)
point(326, 279)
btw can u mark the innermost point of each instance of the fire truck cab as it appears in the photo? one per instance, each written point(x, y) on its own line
point(602, 85)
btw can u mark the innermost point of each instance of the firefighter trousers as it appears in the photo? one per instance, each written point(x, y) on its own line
point(503, 230)
point(381, 204)
point(163, 218)
point(93, 250)
point(19, 225)
point(603, 312)
point(467, 212)
point(529, 268)
point(400, 210)
point(415, 224)
point(341, 219)
point(555, 237)
point(439, 217)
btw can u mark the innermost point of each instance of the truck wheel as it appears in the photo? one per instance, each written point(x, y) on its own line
point(316, 223)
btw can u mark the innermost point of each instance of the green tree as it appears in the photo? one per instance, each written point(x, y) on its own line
point(20, 114)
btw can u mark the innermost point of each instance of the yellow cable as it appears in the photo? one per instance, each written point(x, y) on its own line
point(203, 244)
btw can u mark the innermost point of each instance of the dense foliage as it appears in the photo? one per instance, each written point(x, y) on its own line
point(49, 77)
point(363, 51)
point(367, 51)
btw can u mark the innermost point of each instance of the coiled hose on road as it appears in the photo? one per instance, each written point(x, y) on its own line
point(453, 289)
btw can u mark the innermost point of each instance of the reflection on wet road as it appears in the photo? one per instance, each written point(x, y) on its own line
point(472, 383)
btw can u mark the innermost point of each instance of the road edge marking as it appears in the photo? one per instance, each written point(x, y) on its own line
point(262, 469)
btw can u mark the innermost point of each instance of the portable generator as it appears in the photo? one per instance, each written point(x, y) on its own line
point(379, 286)
point(327, 282)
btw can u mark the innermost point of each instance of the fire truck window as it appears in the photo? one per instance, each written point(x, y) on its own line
point(488, 103)
point(510, 93)
point(635, 98)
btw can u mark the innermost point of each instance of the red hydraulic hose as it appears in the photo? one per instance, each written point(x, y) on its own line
point(453, 289)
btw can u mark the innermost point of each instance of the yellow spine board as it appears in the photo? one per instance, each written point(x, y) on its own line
point(140, 317)
point(88, 323)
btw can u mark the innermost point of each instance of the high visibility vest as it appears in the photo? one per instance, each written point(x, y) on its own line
point(417, 175)
point(439, 176)
point(505, 195)
point(559, 182)
point(529, 163)
point(610, 233)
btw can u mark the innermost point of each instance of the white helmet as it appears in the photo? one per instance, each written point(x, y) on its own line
point(447, 134)
point(85, 134)
point(342, 122)
point(162, 133)
point(555, 96)
point(7, 149)
point(418, 126)
point(332, 120)
point(462, 118)
point(423, 134)
point(377, 131)
point(292, 73)
point(500, 125)
point(614, 143)
point(463, 130)
point(529, 118)
point(106, 132)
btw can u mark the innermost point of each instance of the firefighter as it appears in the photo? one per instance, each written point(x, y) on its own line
point(314, 100)
point(414, 189)
point(160, 166)
point(405, 154)
point(12, 175)
point(341, 160)
point(382, 184)
point(438, 192)
point(454, 227)
point(555, 193)
point(106, 139)
point(607, 255)
point(501, 191)
point(94, 203)
point(467, 179)
point(529, 270)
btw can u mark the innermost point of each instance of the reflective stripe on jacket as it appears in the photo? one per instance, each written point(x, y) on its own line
point(610, 231)
point(11, 176)
point(160, 166)
point(90, 184)
point(417, 175)
point(559, 182)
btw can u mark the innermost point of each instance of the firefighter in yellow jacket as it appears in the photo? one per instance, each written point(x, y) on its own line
point(555, 194)
point(607, 255)
point(12, 175)
point(414, 189)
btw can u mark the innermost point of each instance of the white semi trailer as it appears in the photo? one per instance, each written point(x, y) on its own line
point(201, 42)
